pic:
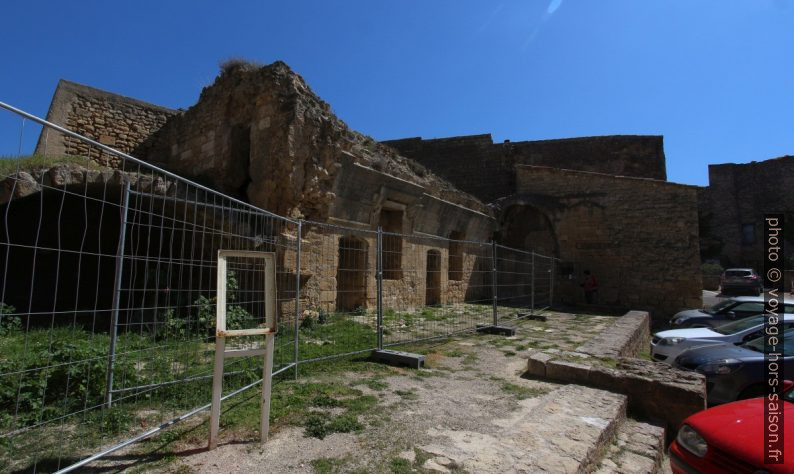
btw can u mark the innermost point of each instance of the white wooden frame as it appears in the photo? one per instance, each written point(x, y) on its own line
point(221, 333)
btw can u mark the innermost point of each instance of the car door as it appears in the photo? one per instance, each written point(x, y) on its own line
point(742, 310)
point(760, 332)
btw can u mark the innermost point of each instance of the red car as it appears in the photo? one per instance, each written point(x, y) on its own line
point(730, 438)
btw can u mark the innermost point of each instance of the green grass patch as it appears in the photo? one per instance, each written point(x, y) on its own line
point(329, 465)
point(407, 394)
point(454, 353)
point(470, 359)
point(10, 165)
point(320, 425)
point(521, 392)
point(373, 383)
point(400, 466)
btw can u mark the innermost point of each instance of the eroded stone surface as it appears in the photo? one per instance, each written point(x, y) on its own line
point(563, 431)
point(638, 448)
point(625, 338)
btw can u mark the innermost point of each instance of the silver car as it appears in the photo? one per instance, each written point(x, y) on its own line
point(667, 345)
point(736, 372)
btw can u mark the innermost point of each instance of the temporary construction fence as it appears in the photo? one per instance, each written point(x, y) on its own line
point(107, 296)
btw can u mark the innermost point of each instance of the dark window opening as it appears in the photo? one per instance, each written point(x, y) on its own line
point(391, 221)
point(455, 256)
point(433, 280)
point(351, 274)
point(240, 154)
point(748, 234)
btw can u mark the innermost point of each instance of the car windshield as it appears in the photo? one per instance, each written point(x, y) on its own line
point(757, 344)
point(737, 273)
point(719, 306)
point(736, 326)
point(789, 396)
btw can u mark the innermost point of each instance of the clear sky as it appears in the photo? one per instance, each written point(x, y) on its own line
point(715, 77)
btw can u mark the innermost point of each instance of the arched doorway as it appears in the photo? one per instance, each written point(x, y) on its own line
point(433, 278)
point(525, 227)
point(351, 274)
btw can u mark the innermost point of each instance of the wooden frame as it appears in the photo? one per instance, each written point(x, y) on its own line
point(221, 333)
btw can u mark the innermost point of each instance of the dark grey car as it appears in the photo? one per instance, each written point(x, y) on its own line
point(741, 280)
point(727, 310)
point(735, 372)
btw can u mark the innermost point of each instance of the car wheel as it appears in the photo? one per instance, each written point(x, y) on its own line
point(753, 391)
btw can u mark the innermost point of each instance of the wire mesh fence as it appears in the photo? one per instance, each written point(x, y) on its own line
point(108, 300)
point(434, 287)
point(108, 295)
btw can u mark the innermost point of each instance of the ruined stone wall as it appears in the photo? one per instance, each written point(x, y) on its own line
point(321, 260)
point(739, 195)
point(120, 122)
point(477, 165)
point(262, 134)
point(638, 236)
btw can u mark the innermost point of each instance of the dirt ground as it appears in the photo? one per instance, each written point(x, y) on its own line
point(470, 390)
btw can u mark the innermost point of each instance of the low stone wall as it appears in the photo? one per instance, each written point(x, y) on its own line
point(655, 391)
point(625, 338)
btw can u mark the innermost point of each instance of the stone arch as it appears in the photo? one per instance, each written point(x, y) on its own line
point(525, 226)
point(351, 274)
point(433, 278)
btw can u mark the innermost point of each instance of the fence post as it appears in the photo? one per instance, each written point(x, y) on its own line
point(532, 293)
point(114, 317)
point(297, 295)
point(493, 283)
point(551, 283)
point(379, 284)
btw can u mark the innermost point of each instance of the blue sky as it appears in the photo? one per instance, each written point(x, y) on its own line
point(715, 77)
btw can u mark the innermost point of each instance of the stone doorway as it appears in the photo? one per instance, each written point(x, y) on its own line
point(526, 227)
point(351, 274)
point(433, 280)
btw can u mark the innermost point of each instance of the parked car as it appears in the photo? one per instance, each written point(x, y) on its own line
point(725, 311)
point(736, 372)
point(667, 345)
point(730, 438)
point(741, 280)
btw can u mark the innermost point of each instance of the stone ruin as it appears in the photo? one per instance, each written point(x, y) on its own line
point(260, 134)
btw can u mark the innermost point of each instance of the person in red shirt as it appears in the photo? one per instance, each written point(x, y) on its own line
point(590, 285)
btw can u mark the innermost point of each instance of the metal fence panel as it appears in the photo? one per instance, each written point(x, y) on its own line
point(107, 297)
point(339, 291)
point(107, 307)
point(434, 287)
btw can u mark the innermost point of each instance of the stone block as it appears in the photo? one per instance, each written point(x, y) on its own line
point(536, 364)
point(566, 371)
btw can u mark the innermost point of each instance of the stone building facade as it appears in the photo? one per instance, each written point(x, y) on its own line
point(485, 169)
point(733, 206)
point(119, 122)
point(612, 226)
point(261, 134)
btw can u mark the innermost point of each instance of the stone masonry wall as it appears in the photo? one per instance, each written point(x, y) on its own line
point(262, 134)
point(739, 195)
point(638, 236)
point(320, 262)
point(477, 165)
point(120, 122)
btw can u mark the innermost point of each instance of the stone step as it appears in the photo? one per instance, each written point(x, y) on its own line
point(564, 431)
point(637, 448)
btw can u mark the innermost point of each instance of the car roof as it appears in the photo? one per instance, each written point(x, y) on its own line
point(755, 299)
point(748, 299)
point(786, 316)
